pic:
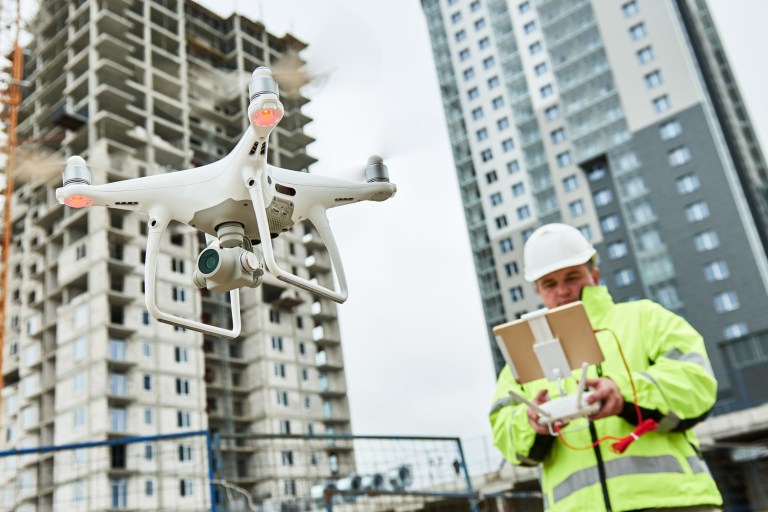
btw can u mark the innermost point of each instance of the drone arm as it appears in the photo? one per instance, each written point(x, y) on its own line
point(158, 222)
point(318, 218)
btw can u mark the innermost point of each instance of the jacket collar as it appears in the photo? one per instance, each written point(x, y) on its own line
point(597, 301)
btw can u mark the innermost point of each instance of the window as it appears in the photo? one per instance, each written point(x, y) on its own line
point(576, 208)
point(185, 452)
point(736, 330)
point(302, 348)
point(460, 35)
point(687, 183)
point(307, 401)
point(505, 245)
point(119, 489)
point(529, 27)
point(644, 55)
point(80, 316)
point(177, 265)
point(477, 113)
point(117, 385)
point(149, 416)
point(610, 223)
point(706, 241)
point(534, 48)
point(502, 124)
point(183, 419)
point(149, 487)
point(637, 31)
point(486, 155)
point(149, 451)
point(586, 231)
point(117, 419)
point(670, 130)
point(546, 91)
point(474, 6)
point(464, 54)
point(80, 252)
point(480, 24)
point(662, 104)
point(186, 487)
point(624, 277)
point(507, 145)
point(516, 293)
point(456, 17)
point(279, 370)
point(523, 212)
point(513, 167)
point(78, 417)
point(481, 134)
point(79, 348)
point(697, 211)
point(518, 189)
point(668, 297)
point(493, 82)
point(716, 271)
point(145, 317)
point(473, 93)
point(488, 62)
point(679, 156)
point(79, 382)
point(510, 269)
point(552, 112)
point(147, 382)
point(653, 79)
point(181, 354)
point(524, 7)
point(277, 343)
point(564, 159)
point(491, 176)
point(501, 221)
point(596, 173)
point(282, 397)
point(289, 487)
point(182, 386)
point(630, 8)
point(484, 43)
point(570, 183)
point(146, 349)
point(617, 250)
point(540, 68)
point(557, 135)
point(496, 199)
point(285, 427)
point(726, 301)
point(286, 457)
point(468, 73)
point(603, 197)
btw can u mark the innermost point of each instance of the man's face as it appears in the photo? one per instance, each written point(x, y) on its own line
point(564, 286)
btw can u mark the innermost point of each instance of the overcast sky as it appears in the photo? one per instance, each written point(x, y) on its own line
point(415, 348)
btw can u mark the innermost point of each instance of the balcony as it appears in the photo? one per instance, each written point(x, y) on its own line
point(318, 263)
point(323, 337)
point(323, 310)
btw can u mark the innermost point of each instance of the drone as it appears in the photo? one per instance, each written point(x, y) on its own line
point(240, 202)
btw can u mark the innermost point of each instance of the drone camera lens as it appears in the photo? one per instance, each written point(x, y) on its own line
point(208, 261)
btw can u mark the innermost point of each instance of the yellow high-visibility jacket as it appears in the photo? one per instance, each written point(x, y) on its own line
point(675, 386)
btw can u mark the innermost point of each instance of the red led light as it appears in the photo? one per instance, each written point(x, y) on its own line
point(78, 201)
point(266, 117)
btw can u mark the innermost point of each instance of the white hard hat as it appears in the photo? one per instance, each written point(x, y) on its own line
point(554, 247)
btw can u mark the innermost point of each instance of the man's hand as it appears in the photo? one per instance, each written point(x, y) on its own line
point(533, 416)
point(604, 390)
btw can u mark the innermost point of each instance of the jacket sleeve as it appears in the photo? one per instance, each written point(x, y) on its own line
point(678, 389)
point(512, 434)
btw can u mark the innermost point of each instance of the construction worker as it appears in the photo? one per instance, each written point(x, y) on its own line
point(662, 469)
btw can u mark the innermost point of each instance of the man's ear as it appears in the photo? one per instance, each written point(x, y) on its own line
point(596, 275)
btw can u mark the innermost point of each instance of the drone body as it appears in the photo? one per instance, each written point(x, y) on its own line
point(238, 201)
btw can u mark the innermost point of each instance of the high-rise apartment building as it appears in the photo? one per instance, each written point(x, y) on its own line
point(624, 120)
point(139, 88)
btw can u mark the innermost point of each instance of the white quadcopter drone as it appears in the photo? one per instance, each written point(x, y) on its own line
point(235, 200)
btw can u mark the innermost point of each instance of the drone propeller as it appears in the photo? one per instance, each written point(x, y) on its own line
point(37, 166)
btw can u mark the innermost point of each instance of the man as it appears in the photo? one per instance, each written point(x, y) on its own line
point(662, 470)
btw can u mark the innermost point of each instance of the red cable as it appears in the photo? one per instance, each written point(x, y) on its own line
point(643, 426)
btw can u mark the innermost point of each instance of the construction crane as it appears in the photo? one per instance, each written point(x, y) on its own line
point(11, 98)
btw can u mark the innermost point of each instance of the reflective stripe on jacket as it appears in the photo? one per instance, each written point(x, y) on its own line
point(674, 384)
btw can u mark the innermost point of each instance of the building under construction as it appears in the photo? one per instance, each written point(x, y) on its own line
point(139, 88)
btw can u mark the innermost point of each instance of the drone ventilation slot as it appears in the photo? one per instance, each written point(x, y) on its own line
point(254, 149)
point(126, 203)
point(263, 149)
point(288, 191)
